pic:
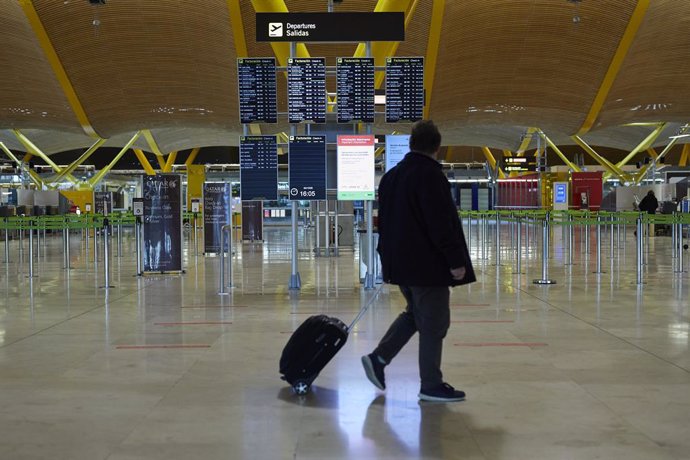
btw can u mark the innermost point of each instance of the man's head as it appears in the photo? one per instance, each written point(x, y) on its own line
point(650, 193)
point(425, 137)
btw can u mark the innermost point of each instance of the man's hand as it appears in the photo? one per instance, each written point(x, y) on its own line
point(458, 273)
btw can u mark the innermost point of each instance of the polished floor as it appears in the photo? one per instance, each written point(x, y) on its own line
point(162, 367)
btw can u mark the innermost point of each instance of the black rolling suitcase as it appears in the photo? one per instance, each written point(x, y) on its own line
point(312, 346)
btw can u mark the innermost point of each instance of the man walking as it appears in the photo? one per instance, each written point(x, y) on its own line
point(423, 250)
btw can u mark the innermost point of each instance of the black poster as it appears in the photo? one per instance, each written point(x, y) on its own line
point(217, 213)
point(103, 202)
point(162, 223)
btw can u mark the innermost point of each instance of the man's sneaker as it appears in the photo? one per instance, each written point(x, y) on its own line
point(442, 393)
point(374, 370)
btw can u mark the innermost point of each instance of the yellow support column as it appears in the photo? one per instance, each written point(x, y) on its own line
point(615, 66)
point(610, 167)
point(432, 50)
point(525, 141)
point(548, 141)
point(34, 150)
point(101, 174)
point(381, 50)
point(644, 145)
point(144, 162)
point(196, 176)
point(192, 156)
point(684, 156)
point(170, 162)
point(492, 162)
point(79, 161)
point(32, 174)
point(56, 64)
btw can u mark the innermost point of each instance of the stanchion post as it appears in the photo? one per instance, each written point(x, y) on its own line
point(137, 241)
point(599, 223)
point(498, 240)
point(295, 281)
point(119, 238)
point(95, 244)
point(67, 249)
point(571, 238)
point(518, 262)
point(680, 247)
point(639, 250)
point(611, 239)
point(7, 241)
point(196, 245)
point(106, 254)
point(545, 254)
point(370, 277)
point(31, 249)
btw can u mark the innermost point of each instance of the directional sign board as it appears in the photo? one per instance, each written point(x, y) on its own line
point(355, 90)
point(307, 167)
point(356, 167)
point(307, 90)
point(404, 89)
point(256, 79)
point(258, 168)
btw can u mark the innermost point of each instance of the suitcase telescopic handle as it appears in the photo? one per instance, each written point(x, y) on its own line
point(365, 308)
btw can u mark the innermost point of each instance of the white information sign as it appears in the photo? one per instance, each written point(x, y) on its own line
point(397, 146)
point(356, 167)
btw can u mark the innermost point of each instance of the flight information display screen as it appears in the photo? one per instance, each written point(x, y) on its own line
point(307, 167)
point(307, 90)
point(404, 89)
point(258, 168)
point(355, 90)
point(256, 79)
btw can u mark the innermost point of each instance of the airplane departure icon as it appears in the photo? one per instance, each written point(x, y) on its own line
point(275, 29)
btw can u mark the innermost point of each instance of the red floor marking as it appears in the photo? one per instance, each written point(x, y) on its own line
point(501, 344)
point(214, 306)
point(483, 321)
point(192, 323)
point(139, 347)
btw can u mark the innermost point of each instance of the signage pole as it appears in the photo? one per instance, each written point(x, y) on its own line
point(7, 242)
point(295, 281)
point(67, 229)
point(137, 234)
point(31, 249)
point(369, 279)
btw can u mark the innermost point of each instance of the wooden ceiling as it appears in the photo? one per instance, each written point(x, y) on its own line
point(502, 66)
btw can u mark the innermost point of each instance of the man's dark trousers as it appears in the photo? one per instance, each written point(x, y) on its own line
point(427, 312)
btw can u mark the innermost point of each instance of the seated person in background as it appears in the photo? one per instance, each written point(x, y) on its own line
point(649, 203)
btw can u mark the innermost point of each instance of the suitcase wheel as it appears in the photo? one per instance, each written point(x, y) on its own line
point(301, 387)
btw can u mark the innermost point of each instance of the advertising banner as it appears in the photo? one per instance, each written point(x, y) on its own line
point(216, 214)
point(162, 223)
point(356, 167)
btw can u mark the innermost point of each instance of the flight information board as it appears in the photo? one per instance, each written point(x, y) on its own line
point(355, 90)
point(258, 168)
point(307, 167)
point(404, 89)
point(256, 79)
point(307, 90)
